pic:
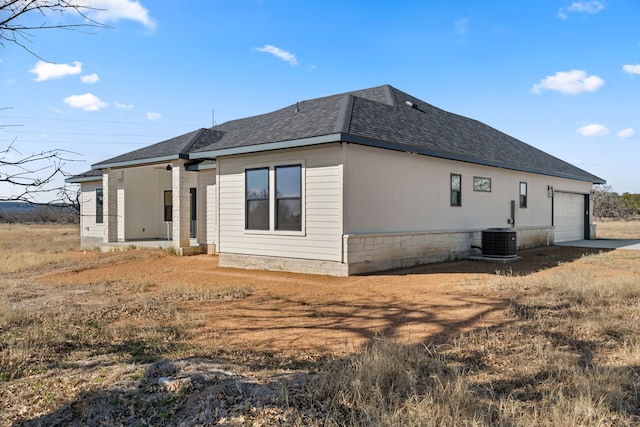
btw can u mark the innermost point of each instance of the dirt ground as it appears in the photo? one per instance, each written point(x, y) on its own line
point(294, 313)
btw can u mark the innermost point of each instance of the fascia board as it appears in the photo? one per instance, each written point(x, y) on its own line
point(78, 180)
point(370, 142)
point(202, 167)
point(304, 142)
point(139, 162)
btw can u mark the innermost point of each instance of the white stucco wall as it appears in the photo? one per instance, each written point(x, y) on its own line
point(321, 238)
point(143, 202)
point(388, 191)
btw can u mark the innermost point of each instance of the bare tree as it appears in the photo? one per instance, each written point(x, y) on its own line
point(31, 175)
point(40, 15)
point(69, 197)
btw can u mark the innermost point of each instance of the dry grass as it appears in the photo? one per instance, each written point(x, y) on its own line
point(569, 356)
point(607, 229)
point(130, 319)
point(29, 246)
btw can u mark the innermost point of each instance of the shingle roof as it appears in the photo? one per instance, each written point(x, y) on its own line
point(91, 175)
point(386, 117)
point(381, 116)
point(174, 148)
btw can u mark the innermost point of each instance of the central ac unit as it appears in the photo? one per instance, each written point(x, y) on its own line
point(499, 242)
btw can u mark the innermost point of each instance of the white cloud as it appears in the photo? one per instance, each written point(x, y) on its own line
point(627, 133)
point(120, 106)
point(569, 83)
point(631, 69)
point(153, 116)
point(593, 130)
point(282, 54)
point(114, 10)
point(590, 7)
point(90, 78)
point(86, 102)
point(462, 26)
point(46, 70)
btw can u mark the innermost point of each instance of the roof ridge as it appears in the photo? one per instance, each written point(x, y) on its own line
point(343, 121)
point(390, 93)
point(197, 134)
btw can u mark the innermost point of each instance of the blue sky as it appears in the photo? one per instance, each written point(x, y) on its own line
point(563, 76)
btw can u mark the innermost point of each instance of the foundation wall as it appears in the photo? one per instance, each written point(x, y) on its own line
point(91, 242)
point(367, 253)
point(298, 265)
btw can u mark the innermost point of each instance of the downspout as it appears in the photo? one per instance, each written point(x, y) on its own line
point(217, 210)
point(342, 203)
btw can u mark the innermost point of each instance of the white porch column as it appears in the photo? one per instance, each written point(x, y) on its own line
point(110, 205)
point(121, 208)
point(181, 206)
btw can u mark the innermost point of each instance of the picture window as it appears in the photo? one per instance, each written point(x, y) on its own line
point(481, 184)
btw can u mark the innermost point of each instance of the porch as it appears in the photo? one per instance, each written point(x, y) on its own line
point(158, 206)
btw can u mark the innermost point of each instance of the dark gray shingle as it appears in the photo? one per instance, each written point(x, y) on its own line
point(377, 116)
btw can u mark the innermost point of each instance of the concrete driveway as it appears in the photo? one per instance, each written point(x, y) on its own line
point(631, 244)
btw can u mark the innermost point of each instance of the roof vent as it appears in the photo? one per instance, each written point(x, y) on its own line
point(412, 105)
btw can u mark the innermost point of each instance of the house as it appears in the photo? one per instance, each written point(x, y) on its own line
point(352, 183)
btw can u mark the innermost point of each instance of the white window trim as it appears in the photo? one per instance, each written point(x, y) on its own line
point(272, 197)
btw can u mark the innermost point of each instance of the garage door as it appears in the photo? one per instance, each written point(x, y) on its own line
point(568, 212)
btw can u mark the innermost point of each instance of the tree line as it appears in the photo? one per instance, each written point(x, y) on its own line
point(39, 214)
point(607, 204)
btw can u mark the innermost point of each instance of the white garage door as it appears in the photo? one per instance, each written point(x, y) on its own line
point(568, 211)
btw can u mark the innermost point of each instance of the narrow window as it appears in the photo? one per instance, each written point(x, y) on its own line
point(481, 184)
point(168, 205)
point(193, 224)
point(288, 197)
point(523, 194)
point(456, 189)
point(257, 199)
point(99, 206)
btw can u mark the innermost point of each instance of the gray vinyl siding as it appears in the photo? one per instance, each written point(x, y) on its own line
point(321, 238)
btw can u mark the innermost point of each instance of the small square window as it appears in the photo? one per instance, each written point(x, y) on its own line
point(456, 189)
point(523, 194)
point(481, 184)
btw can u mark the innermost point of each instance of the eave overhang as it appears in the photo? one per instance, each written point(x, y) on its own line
point(81, 179)
point(140, 162)
point(371, 142)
